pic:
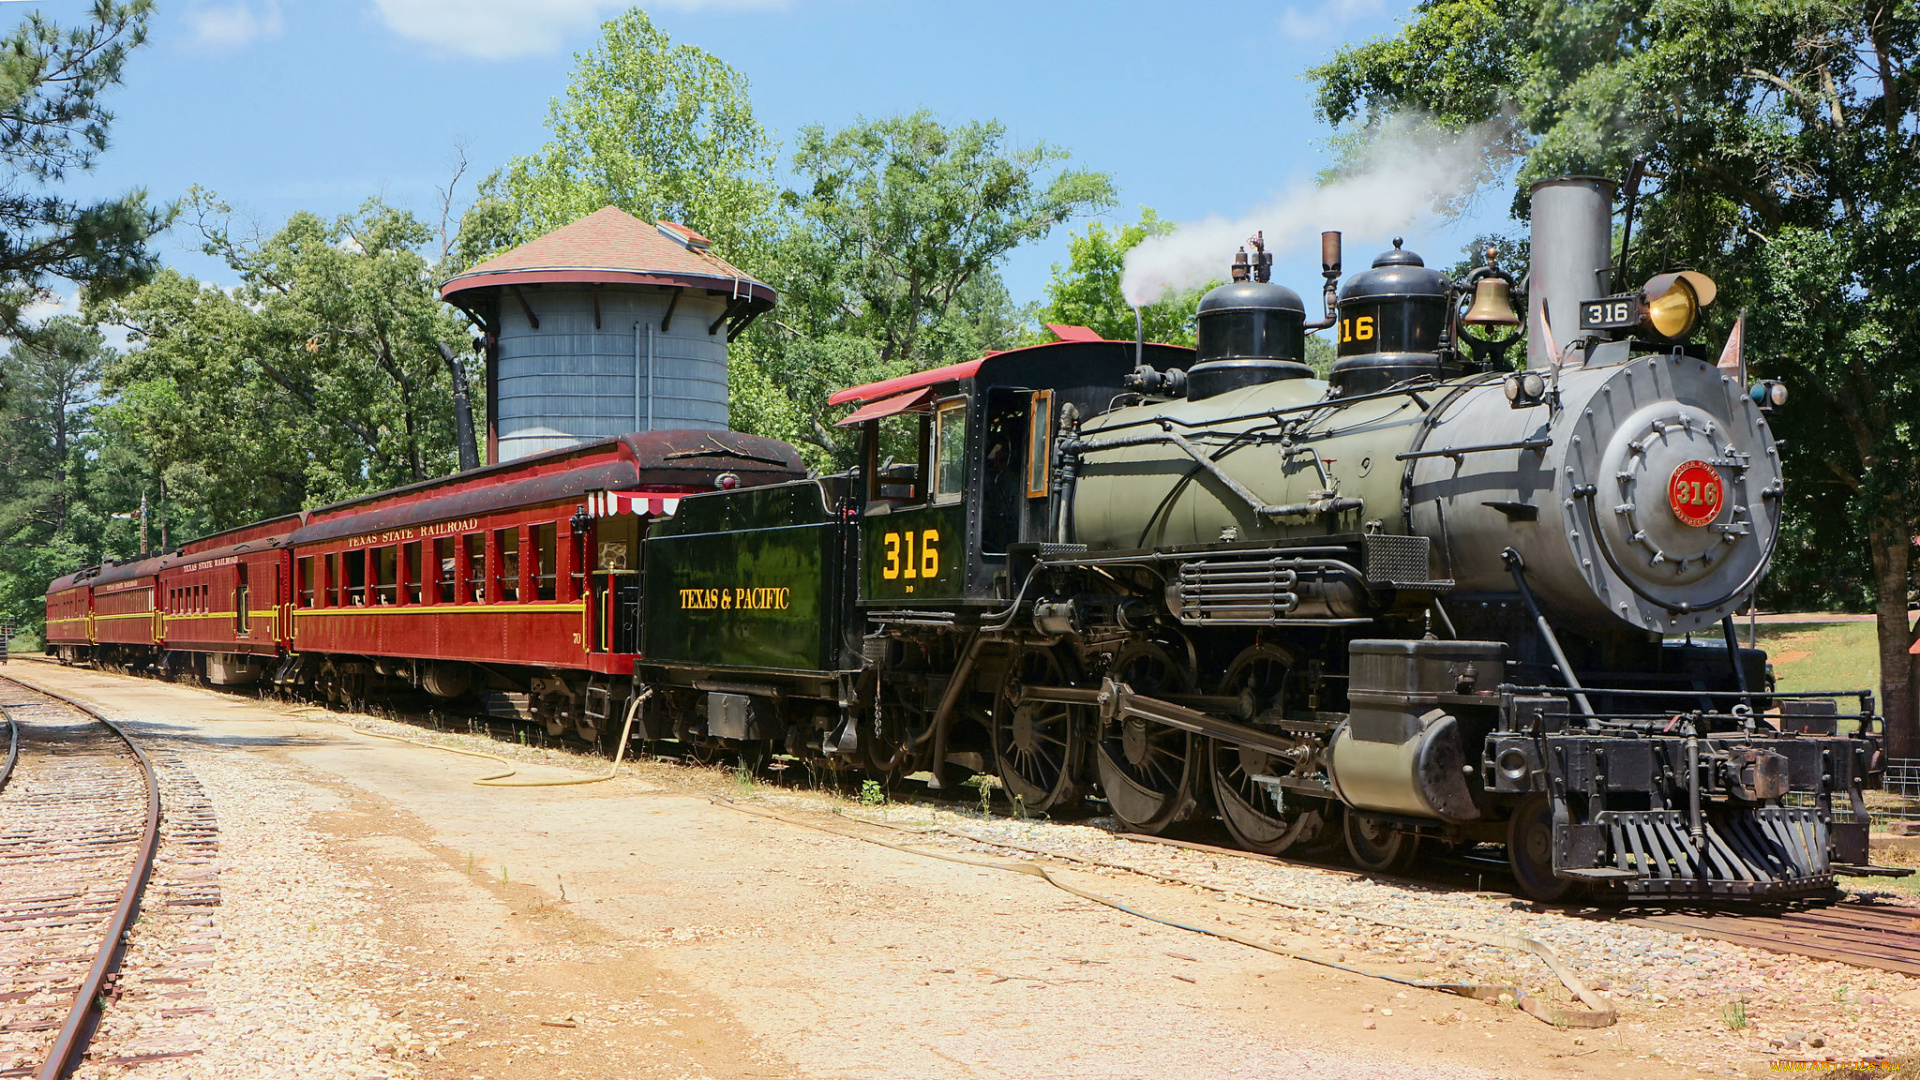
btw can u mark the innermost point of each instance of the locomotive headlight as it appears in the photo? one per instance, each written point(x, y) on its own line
point(1674, 301)
point(1525, 389)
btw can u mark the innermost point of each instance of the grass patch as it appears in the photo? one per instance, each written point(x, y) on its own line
point(1818, 656)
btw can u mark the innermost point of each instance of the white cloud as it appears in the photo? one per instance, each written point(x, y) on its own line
point(59, 302)
point(1322, 21)
point(501, 29)
point(51, 306)
point(223, 27)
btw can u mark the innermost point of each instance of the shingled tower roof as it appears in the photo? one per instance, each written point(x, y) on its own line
point(611, 246)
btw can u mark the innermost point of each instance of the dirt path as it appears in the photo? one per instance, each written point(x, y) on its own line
point(636, 929)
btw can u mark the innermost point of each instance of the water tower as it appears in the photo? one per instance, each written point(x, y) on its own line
point(607, 326)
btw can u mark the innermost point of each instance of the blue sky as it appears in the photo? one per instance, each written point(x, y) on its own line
point(284, 105)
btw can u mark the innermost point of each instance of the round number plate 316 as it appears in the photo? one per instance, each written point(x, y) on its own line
point(1696, 493)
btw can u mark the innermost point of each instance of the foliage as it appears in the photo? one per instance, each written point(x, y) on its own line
point(900, 215)
point(659, 130)
point(318, 377)
point(52, 124)
point(1781, 135)
point(1086, 291)
point(51, 518)
point(888, 259)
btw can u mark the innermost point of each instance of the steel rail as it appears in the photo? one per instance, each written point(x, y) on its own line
point(77, 1032)
point(13, 748)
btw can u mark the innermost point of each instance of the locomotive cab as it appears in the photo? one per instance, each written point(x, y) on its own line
point(958, 465)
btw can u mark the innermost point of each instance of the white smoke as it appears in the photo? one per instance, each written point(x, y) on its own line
point(1408, 171)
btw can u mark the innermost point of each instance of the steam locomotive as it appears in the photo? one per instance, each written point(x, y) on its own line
point(1430, 600)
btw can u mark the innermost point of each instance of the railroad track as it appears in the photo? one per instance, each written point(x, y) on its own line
point(79, 827)
point(1857, 932)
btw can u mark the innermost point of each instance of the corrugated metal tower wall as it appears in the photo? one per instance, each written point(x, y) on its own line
point(567, 382)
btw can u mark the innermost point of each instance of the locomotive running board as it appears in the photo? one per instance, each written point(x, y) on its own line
point(1116, 700)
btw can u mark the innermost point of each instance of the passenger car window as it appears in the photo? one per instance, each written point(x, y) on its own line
point(355, 567)
point(386, 564)
point(443, 558)
point(546, 550)
point(477, 568)
point(412, 562)
point(306, 582)
point(508, 541)
point(950, 450)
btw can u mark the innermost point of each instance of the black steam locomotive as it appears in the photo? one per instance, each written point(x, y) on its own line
point(1431, 599)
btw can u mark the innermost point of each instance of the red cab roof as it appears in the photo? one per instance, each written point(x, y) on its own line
point(903, 383)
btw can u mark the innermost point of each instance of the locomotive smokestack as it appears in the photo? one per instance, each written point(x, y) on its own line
point(1572, 257)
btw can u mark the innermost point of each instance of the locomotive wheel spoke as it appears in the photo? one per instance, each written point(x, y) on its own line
point(1147, 771)
point(1037, 744)
point(1261, 677)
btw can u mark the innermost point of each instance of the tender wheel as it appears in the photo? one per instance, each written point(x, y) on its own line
point(1530, 851)
point(1260, 678)
point(1147, 771)
point(1037, 744)
point(1377, 847)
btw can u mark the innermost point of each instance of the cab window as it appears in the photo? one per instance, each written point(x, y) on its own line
point(1039, 443)
point(949, 450)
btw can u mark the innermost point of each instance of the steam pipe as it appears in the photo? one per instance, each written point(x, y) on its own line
point(462, 424)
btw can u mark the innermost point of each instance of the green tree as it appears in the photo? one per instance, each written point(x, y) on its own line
point(898, 216)
point(1086, 291)
point(318, 378)
point(659, 130)
point(889, 259)
point(47, 527)
point(1782, 135)
point(51, 125)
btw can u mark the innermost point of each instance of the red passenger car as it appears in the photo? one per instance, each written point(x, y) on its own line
point(69, 603)
point(223, 602)
point(518, 581)
point(125, 628)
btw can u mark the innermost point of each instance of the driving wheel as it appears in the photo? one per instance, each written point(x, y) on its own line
point(1037, 743)
point(1147, 770)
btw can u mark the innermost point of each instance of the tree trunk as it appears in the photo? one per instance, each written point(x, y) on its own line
point(1892, 551)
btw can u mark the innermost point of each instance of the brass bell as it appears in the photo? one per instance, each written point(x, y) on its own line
point(1492, 304)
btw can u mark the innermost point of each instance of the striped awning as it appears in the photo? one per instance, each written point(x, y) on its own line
point(602, 504)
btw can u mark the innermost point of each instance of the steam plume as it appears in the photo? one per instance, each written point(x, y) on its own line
point(1409, 170)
